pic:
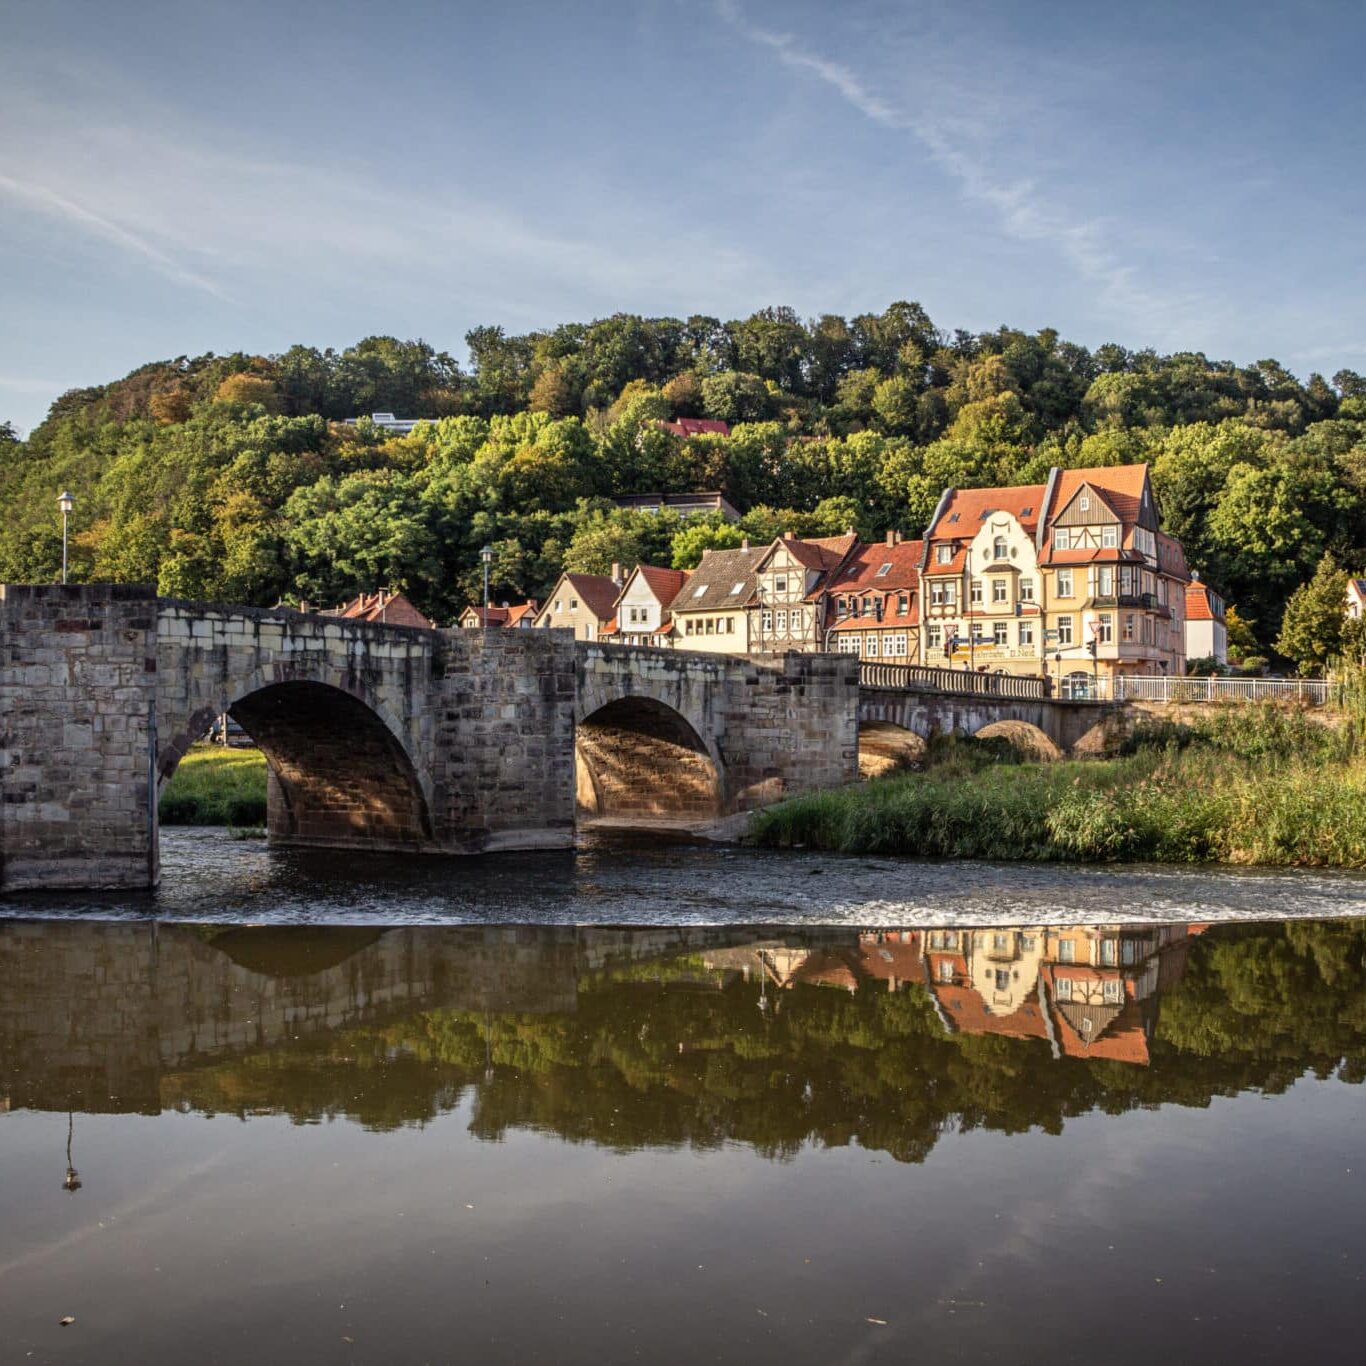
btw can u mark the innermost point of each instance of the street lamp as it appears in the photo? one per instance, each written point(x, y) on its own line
point(66, 502)
point(72, 1183)
point(486, 554)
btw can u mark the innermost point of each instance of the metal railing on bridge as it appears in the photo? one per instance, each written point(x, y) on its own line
point(1316, 692)
point(925, 678)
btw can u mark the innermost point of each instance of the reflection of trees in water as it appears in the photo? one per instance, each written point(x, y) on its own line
point(676, 1054)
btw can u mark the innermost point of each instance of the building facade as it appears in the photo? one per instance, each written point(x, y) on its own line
point(642, 607)
point(790, 606)
point(874, 609)
point(519, 616)
point(583, 603)
point(709, 611)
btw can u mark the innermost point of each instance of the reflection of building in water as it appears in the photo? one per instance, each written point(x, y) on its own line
point(1088, 990)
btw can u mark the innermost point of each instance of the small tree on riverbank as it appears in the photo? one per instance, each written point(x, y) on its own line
point(1311, 631)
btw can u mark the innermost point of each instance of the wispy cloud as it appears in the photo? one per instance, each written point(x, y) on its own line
point(58, 206)
point(1025, 210)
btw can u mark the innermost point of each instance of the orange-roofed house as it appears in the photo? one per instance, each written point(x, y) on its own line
point(980, 586)
point(582, 603)
point(518, 616)
point(1114, 585)
point(874, 602)
point(642, 606)
point(386, 606)
point(1206, 627)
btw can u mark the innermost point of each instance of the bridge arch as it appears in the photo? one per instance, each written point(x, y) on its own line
point(638, 758)
point(884, 746)
point(1026, 737)
point(340, 767)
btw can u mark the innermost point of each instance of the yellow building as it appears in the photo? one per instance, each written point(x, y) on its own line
point(980, 583)
point(710, 611)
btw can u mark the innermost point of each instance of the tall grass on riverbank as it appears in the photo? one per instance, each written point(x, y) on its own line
point(1248, 787)
point(217, 786)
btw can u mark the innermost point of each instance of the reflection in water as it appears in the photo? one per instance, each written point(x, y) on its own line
point(636, 1038)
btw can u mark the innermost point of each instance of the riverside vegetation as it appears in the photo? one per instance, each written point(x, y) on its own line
point(217, 786)
point(1242, 785)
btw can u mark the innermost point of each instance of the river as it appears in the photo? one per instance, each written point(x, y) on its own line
point(682, 1103)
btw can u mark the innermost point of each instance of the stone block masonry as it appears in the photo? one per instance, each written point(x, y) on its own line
point(78, 671)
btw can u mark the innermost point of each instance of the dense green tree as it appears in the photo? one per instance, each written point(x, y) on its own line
point(1311, 633)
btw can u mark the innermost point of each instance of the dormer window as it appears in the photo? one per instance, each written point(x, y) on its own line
point(885, 569)
point(700, 591)
point(1062, 539)
point(739, 588)
point(943, 554)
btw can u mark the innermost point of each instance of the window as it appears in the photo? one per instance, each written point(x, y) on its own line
point(1084, 503)
point(1064, 583)
point(1064, 631)
point(798, 621)
point(999, 632)
point(711, 626)
point(885, 569)
point(1000, 943)
point(559, 606)
point(950, 594)
point(903, 603)
point(1026, 636)
point(945, 971)
point(780, 585)
point(1027, 943)
point(937, 594)
point(1026, 590)
point(998, 548)
point(895, 646)
point(1067, 951)
point(1062, 539)
point(573, 604)
point(870, 650)
point(851, 644)
point(782, 621)
point(766, 620)
point(975, 589)
point(867, 606)
point(700, 591)
point(943, 554)
point(1109, 537)
point(688, 625)
point(1113, 991)
point(588, 630)
point(999, 590)
point(1002, 979)
point(934, 636)
point(1062, 988)
point(1109, 952)
point(1105, 581)
point(1105, 628)
point(737, 590)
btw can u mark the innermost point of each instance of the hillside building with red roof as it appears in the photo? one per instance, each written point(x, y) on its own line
point(1206, 624)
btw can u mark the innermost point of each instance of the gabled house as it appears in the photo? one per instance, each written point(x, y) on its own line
point(1114, 583)
point(642, 606)
point(519, 616)
point(583, 603)
point(710, 611)
point(874, 602)
point(790, 606)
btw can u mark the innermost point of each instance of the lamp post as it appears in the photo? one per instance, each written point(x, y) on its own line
point(66, 502)
point(72, 1183)
point(486, 554)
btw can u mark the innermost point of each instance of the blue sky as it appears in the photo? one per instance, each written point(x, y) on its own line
point(184, 177)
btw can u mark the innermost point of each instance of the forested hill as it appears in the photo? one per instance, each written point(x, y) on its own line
point(231, 478)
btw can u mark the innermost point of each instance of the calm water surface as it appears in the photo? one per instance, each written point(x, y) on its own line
point(682, 1105)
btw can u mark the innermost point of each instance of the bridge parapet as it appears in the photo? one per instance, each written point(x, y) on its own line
point(928, 678)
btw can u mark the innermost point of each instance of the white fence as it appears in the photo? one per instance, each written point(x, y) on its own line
point(1315, 692)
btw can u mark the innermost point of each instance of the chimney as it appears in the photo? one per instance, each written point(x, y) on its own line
point(790, 534)
point(616, 572)
point(744, 544)
point(505, 604)
point(706, 550)
point(893, 538)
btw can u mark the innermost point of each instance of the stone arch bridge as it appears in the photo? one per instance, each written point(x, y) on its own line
point(392, 738)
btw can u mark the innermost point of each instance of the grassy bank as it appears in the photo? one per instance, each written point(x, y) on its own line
point(1245, 787)
point(216, 786)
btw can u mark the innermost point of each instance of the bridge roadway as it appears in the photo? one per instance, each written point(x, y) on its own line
point(392, 738)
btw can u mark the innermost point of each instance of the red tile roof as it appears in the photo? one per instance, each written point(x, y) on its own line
point(597, 590)
point(1121, 487)
point(696, 426)
point(665, 584)
point(386, 606)
point(966, 510)
point(861, 569)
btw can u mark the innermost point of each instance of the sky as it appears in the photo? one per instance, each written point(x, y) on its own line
point(177, 178)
